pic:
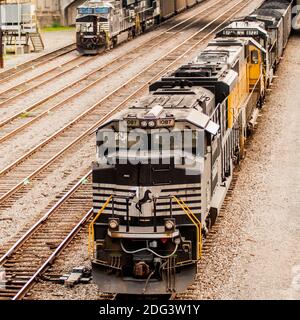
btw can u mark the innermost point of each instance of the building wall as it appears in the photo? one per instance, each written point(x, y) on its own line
point(54, 11)
point(69, 12)
point(48, 12)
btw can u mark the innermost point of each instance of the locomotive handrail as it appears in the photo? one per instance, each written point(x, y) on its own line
point(181, 203)
point(92, 229)
point(195, 221)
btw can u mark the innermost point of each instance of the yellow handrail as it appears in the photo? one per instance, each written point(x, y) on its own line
point(92, 229)
point(137, 24)
point(180, 202)
point(195, 221)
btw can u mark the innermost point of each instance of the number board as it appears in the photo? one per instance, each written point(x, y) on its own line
point(85, 10)
point(101, 10)
point(165, 123)
point(240, 32)
point(133, 123)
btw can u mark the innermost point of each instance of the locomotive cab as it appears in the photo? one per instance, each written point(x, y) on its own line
point(89, 39)
point(103, 24)
point(90, 28)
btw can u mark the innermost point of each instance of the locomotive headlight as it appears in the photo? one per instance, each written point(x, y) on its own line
point(113, 223)
point(151, 124)
point(169, 224)
point(144, 124)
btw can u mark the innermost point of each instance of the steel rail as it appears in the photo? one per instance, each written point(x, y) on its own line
point(3, 104)
point(11, 72)
point(92, 73)
point(131, 96)
point(34, 63)
point(40, 222)
point(141, 46)
point(54, 255)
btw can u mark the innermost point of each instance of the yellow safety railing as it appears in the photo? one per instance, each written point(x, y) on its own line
point(137, 24)
point(195, 221)
point(107, 39)
point(181, 203)
point(92, 229)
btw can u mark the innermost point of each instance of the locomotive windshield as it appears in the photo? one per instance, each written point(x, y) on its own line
point(85, 27)
point(87, 24)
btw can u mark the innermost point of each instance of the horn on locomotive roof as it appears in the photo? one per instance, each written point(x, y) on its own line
point(155, 112)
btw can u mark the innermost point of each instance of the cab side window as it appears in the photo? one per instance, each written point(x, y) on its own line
point(254, 57)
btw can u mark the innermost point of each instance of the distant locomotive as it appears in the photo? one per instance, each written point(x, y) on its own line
point(102, 24)
point(164, 165)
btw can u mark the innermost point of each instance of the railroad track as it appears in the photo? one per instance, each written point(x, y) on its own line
point(34, 252)
point(26, 117)
point(190, 293)
point(25, 87)
point(29, 166)
point(29, 65)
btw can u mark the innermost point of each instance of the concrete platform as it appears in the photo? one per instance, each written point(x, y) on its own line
point(53, 40)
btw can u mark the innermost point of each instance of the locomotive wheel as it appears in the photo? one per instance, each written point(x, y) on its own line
point(158, 20)
point(130, 34)
point(260, 102)
point(133, 32)
point(238, 157)
point(114, 42)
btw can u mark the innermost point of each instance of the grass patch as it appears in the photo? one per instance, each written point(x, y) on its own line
point(56, 27)
point(25, 115)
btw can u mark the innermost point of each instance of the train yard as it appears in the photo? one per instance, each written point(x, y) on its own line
point(49, 110)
